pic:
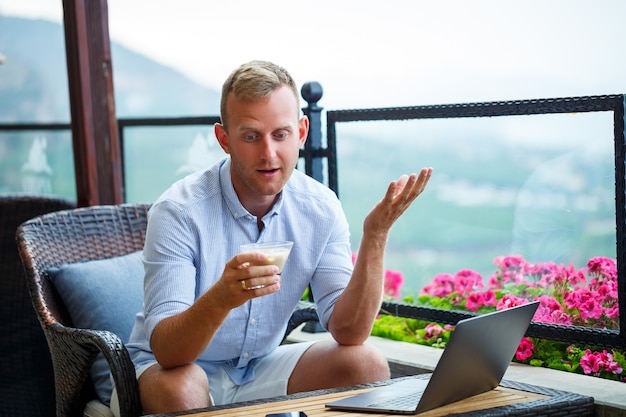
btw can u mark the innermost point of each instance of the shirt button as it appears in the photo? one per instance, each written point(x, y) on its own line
point(253, 321)
point(245, 355)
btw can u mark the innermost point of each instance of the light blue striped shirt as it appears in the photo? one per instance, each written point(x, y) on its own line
point(197, 225)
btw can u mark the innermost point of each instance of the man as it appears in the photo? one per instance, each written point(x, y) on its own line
point(213, 317)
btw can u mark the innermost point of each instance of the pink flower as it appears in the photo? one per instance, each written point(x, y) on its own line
point(590, 309)
point(607, 363)
point(560, 317)
point(580, 295)
point(476, 300)
point(489, 298)
point(525, 349)
point(605, 267)
point(509, 262)
point(594, 362)
point(441, 285)
point(393, 282)
point(466, 280)
point(510, 300)
point(494, 282)
point(433, 330)
point(589, 362)
point(551, 311)
point(612, 312)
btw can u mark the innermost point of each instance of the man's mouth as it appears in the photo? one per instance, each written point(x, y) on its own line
point(267, 171)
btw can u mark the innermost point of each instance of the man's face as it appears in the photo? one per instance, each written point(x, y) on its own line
point(263, 140)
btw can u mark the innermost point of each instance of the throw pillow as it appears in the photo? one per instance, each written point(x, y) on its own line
point(105, 295)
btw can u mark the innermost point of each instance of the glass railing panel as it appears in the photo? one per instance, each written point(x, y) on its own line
point(37, 162)
point(155, 157)
point(540, 186)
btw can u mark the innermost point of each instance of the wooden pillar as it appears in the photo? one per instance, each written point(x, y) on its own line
point(97, 160)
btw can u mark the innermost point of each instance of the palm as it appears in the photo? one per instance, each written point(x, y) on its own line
point(400, 195)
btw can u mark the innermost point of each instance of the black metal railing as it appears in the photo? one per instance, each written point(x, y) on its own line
point(316, 151)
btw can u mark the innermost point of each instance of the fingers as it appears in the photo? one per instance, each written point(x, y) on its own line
point(248, 276)
point(257, 282)
point(408, 187)
point(399, 196)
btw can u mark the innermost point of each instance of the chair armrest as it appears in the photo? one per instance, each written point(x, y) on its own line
point(305, 311)
point(83, 345)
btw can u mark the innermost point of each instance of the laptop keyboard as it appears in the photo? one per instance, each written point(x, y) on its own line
point(405, 402)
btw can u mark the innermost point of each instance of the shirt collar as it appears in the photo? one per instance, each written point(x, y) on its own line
point(230, 196)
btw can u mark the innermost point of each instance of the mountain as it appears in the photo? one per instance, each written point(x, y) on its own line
point(34, 87)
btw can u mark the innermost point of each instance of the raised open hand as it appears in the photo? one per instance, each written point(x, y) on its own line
point(400, 194)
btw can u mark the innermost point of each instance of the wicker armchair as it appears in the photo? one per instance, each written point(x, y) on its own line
point(80, 235)
point(26, 378)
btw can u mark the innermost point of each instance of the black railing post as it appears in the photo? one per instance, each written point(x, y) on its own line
point(312, 92)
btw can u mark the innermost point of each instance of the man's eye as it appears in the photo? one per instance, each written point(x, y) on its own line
point(250, 137)
point(280, 135)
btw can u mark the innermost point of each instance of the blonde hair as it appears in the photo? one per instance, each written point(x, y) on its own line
point(255, 80)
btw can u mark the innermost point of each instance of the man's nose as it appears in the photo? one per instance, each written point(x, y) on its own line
point(268, 147)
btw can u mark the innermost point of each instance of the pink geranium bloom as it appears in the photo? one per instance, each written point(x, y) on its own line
point(489, 298)
point(605, 267)
point(574, 276)
point(494, 282)
point(606, 362)
point(510, 300)
point(590, 362)
point(551, 311)
point(509, 262)
point(393, 282)
point(605, 291)
point(578, 297)
point(509, 276)
point(612, 312)
point(541, 269)
point(525, 349)
point(433, 330)
point(549, 303)
point(615, 368)
point(590, 309)
point(560, 317)
point(441, 285)
point(467, 280)
point(474, 301)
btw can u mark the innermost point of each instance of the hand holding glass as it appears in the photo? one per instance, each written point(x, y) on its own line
point(276, 253)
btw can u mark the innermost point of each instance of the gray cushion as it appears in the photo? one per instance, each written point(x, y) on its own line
point(104, 295)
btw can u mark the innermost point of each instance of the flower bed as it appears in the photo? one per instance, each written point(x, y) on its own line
point(568, 296)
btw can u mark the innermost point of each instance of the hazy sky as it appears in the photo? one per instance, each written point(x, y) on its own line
point(372, 53)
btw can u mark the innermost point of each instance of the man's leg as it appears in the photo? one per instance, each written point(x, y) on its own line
point(166, 390)
point(328, 365)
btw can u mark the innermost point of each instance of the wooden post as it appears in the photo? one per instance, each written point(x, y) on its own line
point(97, 160)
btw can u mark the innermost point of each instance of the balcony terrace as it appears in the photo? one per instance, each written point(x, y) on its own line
point(101, 178)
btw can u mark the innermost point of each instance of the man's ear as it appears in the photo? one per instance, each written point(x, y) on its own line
point(303, 129)
point(222, 136)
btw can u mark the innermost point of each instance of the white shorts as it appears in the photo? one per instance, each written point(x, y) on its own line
point(271, 376)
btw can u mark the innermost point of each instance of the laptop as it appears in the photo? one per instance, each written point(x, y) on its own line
point(477, 355)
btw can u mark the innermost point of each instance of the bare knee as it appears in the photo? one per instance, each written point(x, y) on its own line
point(328, 365)
point(366, 364)
point(167, 390)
